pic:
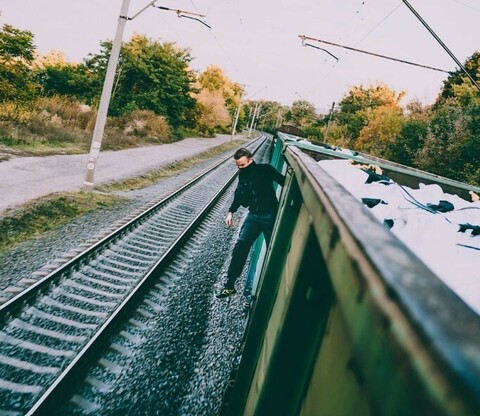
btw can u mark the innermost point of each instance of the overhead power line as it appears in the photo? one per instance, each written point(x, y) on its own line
point(441, 43)
point(304, 38)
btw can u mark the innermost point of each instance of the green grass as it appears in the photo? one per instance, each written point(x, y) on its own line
point(172, 169)
point(41, 147)
point(48, 213)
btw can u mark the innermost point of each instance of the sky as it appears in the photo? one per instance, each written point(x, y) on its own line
point(257, 43)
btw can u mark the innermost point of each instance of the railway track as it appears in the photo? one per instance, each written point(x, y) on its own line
point(51, 331)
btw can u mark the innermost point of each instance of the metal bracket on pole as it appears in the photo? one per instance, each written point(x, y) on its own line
point(188, 15)
point(317, 47)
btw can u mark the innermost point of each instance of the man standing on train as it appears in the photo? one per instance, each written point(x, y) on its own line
point(254, 190)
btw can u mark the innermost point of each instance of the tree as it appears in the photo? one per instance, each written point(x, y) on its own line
point(59, 77)
point(382, 126)
point(217, 100)
point(214, 79)
point(17, 52)
point(151, 76)
point(16, 44)
point(452, 145)
point(458, 78)
point(356, 104)
point(301, 114)
point(212, 112)
point(409, 141)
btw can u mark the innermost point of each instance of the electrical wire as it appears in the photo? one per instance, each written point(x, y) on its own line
point(425, 24)
point(466, 5)
point(303, 37)
point(417, 203)
point(411, 199)
point(379, 23)
point(219, 45)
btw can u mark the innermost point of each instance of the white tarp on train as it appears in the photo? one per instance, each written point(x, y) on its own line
point(441, 229)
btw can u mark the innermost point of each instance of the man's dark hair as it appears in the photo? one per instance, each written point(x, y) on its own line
point(242, 152)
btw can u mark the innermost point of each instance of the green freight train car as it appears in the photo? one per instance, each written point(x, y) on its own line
point(348, 321)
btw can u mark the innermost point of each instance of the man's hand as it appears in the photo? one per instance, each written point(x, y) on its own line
point(229, 219)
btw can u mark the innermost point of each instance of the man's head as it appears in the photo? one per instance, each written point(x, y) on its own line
point(243, 158)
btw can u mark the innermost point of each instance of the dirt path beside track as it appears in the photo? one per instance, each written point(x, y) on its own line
point(26, 178)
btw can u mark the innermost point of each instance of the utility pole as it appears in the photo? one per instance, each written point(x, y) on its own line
point(328, 124)
point(235, 121)
point(237, 114)
point(277, 123)
point(108, 83)
point(252, 120)
point(262, 124)
point(263, 118)
point(105, 99)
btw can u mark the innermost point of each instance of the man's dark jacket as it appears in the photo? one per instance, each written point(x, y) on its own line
point(255, 188)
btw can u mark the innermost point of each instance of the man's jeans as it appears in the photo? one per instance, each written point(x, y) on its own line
point(252, 227)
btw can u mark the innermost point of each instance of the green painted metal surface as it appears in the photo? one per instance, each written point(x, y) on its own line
point(348, 321)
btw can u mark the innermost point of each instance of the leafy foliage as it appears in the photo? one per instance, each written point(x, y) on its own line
point(409, 141)
point(16, 44)
point(63, 78)
point(356, 104)
point(458, 78)
point(382, 126)
point(212, 112)
point(151, 76)
point(16, 55)
point(217, 100)
point(452, 146)
point(301, 114)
